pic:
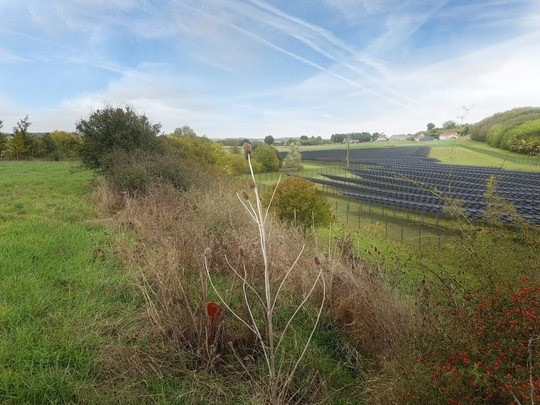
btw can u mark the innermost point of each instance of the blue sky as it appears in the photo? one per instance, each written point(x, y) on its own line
point(249, 68)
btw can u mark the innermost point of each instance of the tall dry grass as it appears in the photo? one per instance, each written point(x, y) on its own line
point(171, 230)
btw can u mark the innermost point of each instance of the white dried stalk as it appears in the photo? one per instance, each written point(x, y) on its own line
point(268, 300)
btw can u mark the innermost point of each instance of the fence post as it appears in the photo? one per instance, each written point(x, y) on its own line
point(347, 211)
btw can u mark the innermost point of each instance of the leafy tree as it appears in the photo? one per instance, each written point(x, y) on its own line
point(3, 141)
point(430, 126)
point(21, 143)
point(449, 124)
point(49, 146)
point(202, 150)
point(293, 158)
point(112, 129)
point(304, 138)
point(267, 157)
point(298, 200)
point(269, 140)
point(3, 145)
point(66, 143)
point(186, 130)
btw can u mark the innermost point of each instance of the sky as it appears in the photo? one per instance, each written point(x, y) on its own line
point(251, 68)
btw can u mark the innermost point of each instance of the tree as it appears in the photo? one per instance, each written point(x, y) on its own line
point(293, 158)
point(298, 200)
point(66, 143)
point(48, 145)
point(202, 150)
point(430, 126)
point(267, 157)
point(20, 142)
point(186, 130)
point(269, 140)
point(113, 129)
point(449, 124)
point(3, 141)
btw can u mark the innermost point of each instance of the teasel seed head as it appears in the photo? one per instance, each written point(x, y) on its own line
point(317, 261)
point(248, 149)
point(245, 195)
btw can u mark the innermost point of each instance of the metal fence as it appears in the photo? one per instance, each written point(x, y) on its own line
point(404, 226)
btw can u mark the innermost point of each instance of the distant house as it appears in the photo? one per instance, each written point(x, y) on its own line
point(382, 138)
point(448, 135)
point(399, 137)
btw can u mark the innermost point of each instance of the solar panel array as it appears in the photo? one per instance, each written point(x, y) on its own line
point(424, 186)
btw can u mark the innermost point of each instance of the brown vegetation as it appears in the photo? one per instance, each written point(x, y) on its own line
point(172, 230)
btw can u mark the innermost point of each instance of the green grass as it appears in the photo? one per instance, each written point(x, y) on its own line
point(66, 303)
point(465, 152)
point(60, 287)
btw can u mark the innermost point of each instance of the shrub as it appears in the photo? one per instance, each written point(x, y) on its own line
point(298, 200)
point(137, 170)
point(478, 349)
point(267, 157)
point(495, 134)
point(202, 150)
point(66, 144)
point(114, 129)
point(523, 138)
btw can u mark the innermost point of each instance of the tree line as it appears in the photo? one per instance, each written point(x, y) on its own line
point(516, 130)
point(20, 144)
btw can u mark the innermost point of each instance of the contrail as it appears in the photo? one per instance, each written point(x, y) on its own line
point(292, 55)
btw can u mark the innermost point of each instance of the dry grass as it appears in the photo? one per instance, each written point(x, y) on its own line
point(172, 230)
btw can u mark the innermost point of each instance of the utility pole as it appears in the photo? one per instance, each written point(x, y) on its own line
point(348, 144)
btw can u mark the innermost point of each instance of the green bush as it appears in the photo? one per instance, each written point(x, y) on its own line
point(495, 135)
point(524, 138)
point(114, 129)
point(137, 170)
point(268, 158)
point(298, 200)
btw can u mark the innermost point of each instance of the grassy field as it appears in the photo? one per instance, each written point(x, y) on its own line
point(62, 292)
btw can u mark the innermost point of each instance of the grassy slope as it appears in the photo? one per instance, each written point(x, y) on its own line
point(59, 286)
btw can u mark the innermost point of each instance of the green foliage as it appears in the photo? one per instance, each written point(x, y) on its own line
point(354, 136)
point(267, 156)
point(20, 142)
point(449, 124)
point(495, 135)
point(66, 143)
point(136, 171)
point(114, 129)
point(298, 200)
point(202, 150)
point(508, 119)
point(430, 126)
point(269, 140)
point(3, 145)
point(524, 138)
point(186, 130)
point(293, 158)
